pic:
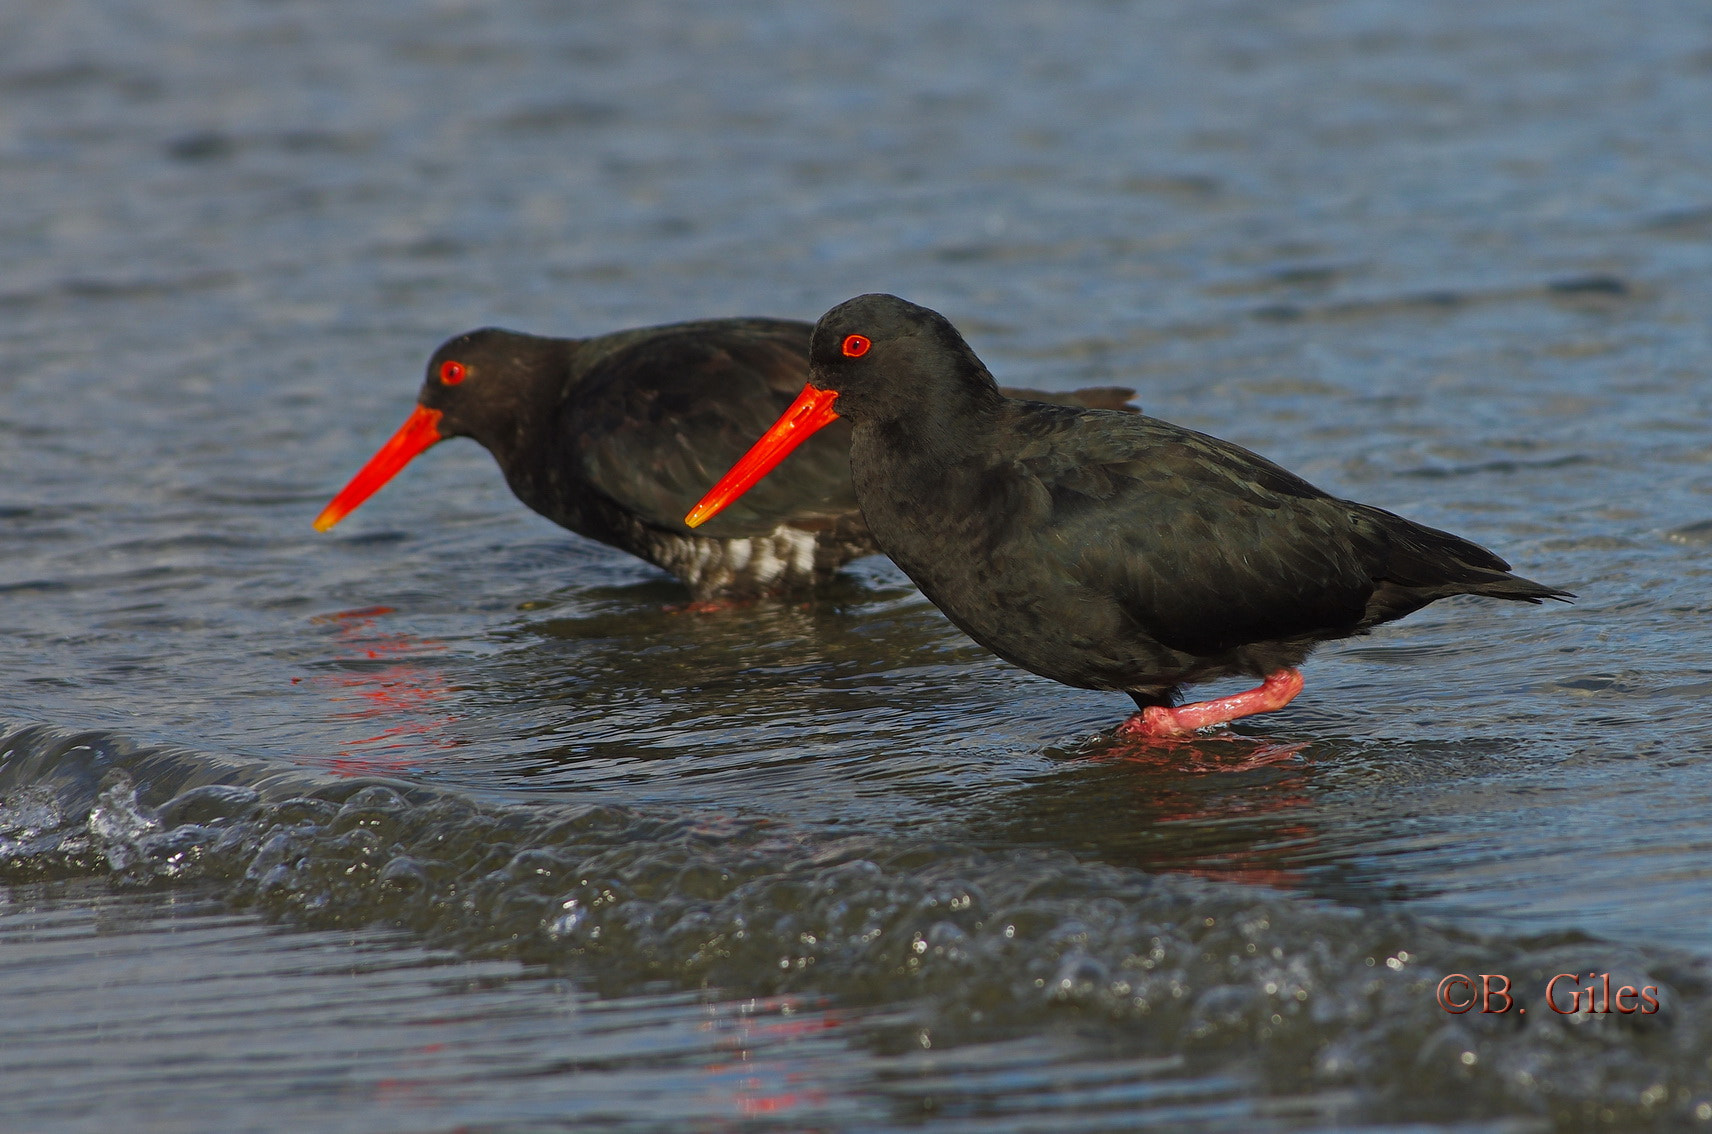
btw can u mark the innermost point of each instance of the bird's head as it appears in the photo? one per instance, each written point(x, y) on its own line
point(479, 384)
point(874, 358)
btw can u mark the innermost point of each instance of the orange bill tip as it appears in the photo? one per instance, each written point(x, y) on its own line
point(811, 412)
point(419, 431)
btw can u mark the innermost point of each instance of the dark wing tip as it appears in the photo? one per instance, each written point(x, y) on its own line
point(1107, 397)
point(1523, 590)
point(1120, 398)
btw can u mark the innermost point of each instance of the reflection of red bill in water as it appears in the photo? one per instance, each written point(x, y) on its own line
point(431, 1065)
point(363, 613)
point(398, 697)
point(759, 1077)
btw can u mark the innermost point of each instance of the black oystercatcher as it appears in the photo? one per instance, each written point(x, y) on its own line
point(614, 436)
point(1103, 550)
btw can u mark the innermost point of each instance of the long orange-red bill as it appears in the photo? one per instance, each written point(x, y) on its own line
point(811, 412)
point(419, 431)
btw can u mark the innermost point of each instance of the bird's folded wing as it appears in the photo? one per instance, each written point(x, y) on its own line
point(1204, 545)
point(657, 447)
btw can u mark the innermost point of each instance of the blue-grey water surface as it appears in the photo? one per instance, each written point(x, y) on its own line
point(450, 820)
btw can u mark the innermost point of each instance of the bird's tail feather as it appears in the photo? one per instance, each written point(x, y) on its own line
point(1424, 564)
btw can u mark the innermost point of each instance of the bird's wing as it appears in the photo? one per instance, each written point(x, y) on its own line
point(1203, 544)
point(659, 421)
point(1120, 398)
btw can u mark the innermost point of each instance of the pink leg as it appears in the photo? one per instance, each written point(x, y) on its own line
point(1278, 690)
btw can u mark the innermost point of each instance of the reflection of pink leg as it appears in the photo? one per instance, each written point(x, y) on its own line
point(1278, 690)
point(709, 606)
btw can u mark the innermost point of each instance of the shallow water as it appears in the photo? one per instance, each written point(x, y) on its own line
point(480, 834)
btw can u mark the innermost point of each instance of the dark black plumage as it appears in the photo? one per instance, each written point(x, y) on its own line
point(1111, 551)
point(614, 437)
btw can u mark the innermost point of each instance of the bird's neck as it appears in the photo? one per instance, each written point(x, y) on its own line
point(525, 431)
point(947, 427)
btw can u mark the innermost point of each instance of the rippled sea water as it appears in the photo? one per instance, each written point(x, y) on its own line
point(449, 820)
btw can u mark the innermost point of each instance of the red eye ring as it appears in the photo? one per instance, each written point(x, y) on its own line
point(855, 346)
point(451, 373)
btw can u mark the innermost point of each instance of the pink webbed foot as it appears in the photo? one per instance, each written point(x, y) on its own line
point(1278, 690)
